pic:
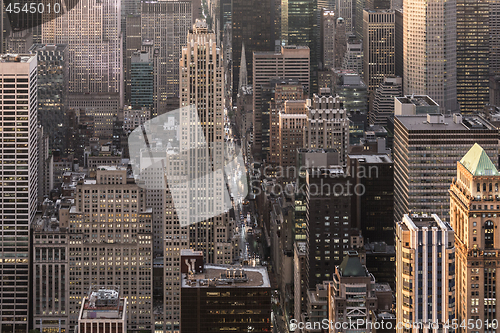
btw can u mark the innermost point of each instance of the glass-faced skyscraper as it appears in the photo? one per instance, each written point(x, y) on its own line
point(253, 25)
point(19, 189)
point(142, 80)
point(473, 49)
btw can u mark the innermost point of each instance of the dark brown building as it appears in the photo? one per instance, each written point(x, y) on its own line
point(373, 211)
point(328, 219)
point(223, 299)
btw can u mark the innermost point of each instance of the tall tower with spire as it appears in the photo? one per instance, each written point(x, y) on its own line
point(475, 216)
point(243, 70)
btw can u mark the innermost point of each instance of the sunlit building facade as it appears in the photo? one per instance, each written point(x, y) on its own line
point(474, 215)
point(19, 188)
point(425, 274)
point(430, 51)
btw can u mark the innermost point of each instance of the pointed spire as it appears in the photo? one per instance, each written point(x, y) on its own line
point(243, 69)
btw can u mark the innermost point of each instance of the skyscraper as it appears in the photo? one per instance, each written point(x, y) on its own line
point(328, 38)
point(343, 9)
point(300, 26)
point(427, 148)
point(164, 28)
point(474, 215)
point(52, 84)
point(92, 31)
point(329, 223)
point(291, 63)
point(472, 55)
point(378, 46)
point(133, 44)
point(111, 244)
point(204, 69)
point(425, 273)
point(430, 51)
point(253, 24)
point(141, 80)
point(19, 158)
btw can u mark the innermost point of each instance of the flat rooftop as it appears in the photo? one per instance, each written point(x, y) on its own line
point(418, 222)
point(371, 158)
point(16, 57)
point(417, 100)
point(382, 287)
point(226, 276)
point(419, 123)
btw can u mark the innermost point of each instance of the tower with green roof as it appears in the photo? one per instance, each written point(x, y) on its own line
point(475, 217)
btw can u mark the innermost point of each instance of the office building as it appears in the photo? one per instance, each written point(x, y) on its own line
point(252, 24)
point(284, 90)
point(328, 20)
point(352, 281)
point(240, 292)
point(427, 147)
point(353, 93)
point(398, 42)
point(210, 113)
point(164, 29)
point(45, 166)
point(300, 26)
point(291, 63)
point(141, 80)
point(51, 267)
point(52, 81)
point(359, 6)
point(111, 243)
point(372, 212)
point(298, 22)
point(19, 157)
point(430, 51)
point(380, 260)
point(103, 310)
point(383, 101)
point(211, 236)
point(353, 57)
point(133, 43)
point(378, 46)
point(292, 120)
point(92, 32)
point(474, 217)
point(300, 275)
point(473, 50)
point(340, 41)
point(327, 126)
point(425, 273)
point(328, 219)
point(494, 28)
point(344, 11)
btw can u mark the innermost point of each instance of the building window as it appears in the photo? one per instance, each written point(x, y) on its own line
point(488, 234)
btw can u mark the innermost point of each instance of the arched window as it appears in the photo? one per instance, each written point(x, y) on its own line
point(496, 187)
point(491, 187)
point(489, 234)
point(478, 187)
